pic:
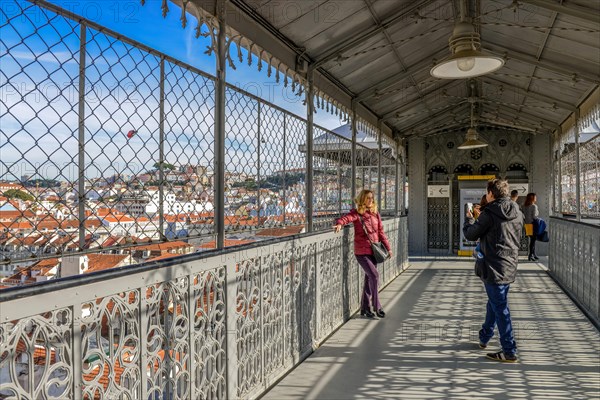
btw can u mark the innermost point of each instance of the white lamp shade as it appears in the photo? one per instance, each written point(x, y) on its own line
point(466, 64)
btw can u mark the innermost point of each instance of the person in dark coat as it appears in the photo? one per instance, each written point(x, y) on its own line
point(499, 229)
point(366, 209)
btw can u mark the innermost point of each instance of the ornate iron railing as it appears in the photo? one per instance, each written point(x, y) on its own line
point(225, 324)
point(574, 260)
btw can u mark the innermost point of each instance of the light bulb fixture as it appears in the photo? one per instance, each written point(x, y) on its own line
point(472, 141)
point(467, 60)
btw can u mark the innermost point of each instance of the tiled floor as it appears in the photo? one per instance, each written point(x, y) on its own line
point(426, 348)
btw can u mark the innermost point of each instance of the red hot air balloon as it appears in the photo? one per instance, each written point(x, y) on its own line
point(131, 133)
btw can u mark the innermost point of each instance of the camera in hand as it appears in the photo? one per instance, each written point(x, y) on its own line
point(469, 208)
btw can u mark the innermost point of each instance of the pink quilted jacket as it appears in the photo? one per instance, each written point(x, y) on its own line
point(374, 227)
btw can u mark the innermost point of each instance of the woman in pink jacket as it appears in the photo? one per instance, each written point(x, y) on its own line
point(366, 209)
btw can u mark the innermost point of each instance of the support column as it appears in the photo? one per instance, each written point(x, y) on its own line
point(577, 167)
point(81, 141)
point(380, 146)
point(559, 205)
point(353, 150)
point(310, 112)
point(397, 180)
point(219, 145)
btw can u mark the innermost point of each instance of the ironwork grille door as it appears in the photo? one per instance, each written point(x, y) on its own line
point(437, 223)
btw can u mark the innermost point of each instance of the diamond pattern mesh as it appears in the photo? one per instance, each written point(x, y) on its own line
point(125, 165)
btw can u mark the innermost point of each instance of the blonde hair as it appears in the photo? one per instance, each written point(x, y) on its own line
point(361, 199)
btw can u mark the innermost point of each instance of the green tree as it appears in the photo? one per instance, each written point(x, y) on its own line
point(165, 165)
point(18, 194)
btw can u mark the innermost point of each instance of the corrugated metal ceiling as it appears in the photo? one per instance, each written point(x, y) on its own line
point(382, 51)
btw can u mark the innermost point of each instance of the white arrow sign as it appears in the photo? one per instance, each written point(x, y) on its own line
point(438, 191)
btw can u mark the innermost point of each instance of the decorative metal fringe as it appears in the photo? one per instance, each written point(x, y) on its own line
point(593, 115)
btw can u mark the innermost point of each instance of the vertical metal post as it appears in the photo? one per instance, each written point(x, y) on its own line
point(450, 216)
point(284, 166)
point(219, 150)
point(559, 138)
point(310, 94)
point(220, 129)
point(143, 313)
point(403, 181)
point(339, 179)
point(397, 180)
point(380, 146)
point(161, 153)
point(77, 351)
point(191, 329)
point(577, 167)
point(258, 141)
point(353, 151)
point(81, 139)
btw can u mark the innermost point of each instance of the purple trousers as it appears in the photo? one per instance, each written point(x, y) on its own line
point(370, 294)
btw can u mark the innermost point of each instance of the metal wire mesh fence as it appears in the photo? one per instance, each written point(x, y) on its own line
point(107, 147)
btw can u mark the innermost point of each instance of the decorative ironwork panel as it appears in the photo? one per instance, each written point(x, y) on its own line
point(209, 335)
point(110, 347)
point(292, 280)
point(356, 274)
point(573, 260)
point(272, 312)
point(330, 267)
point(248, 326)
point(167, 341)
point(34, 352)
point(438, 218)
point(309, 295)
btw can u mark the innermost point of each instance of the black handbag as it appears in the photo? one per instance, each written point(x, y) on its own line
point(379, 251)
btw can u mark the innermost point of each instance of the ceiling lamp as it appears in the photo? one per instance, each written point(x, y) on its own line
point(466, 60)
point(472, 141)
point(472, 137)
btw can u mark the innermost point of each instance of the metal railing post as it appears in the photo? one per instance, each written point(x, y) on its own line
point(559, 205)
point(577, 168)
point(81, 111)
point(161, 153)
point(310, 94)
point(284, 166)
point(353, 151)
point(380, 147)
point(220, 128)
point(397, 180)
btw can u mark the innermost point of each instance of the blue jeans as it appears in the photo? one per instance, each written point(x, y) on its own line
point(498, 314)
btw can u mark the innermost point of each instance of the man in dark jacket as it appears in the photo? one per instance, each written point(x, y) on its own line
point(499, 228)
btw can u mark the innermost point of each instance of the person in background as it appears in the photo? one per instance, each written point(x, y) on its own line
point(478, 208)
point(531, 212)
point(499, 228)
point(514, 196)
point(366, 210)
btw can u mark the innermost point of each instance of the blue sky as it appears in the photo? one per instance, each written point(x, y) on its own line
point(39, 92)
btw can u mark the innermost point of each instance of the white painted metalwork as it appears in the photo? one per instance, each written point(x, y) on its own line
point(164, 331)
point(574, 261)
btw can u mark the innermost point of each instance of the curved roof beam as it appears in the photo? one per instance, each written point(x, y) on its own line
point(587, 14)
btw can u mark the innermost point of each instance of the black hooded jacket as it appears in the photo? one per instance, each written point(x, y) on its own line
point(499, 229)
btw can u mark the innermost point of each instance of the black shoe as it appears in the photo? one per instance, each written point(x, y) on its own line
point(532, 258)
point(502, 357)
point(367, 313)
point(380, 313)
point(535, 257)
